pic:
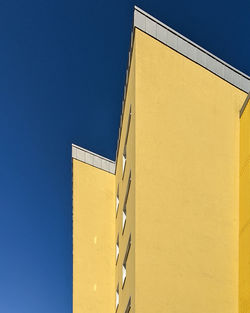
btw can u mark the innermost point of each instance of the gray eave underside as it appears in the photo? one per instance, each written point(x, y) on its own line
point(244, 104)
point(93, 159)
point(186, 47)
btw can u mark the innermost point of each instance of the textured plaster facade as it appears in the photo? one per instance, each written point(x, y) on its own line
point(175, 203)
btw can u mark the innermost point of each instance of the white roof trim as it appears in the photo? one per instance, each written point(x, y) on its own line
point(91, 158)
point(186, 47)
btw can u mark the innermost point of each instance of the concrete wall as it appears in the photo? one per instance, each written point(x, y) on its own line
point(122, 181)
point(93, 239)
point(187, 186)
point(244, 235)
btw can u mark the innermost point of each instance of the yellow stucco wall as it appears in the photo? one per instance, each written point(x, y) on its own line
point(244, 238)
point(187, 185)
point(122, 181)
point(93, 239)
point(189, 246)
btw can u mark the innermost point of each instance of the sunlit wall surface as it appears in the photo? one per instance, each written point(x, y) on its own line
point(244, 231)
point(93, 239)
point(158, 230)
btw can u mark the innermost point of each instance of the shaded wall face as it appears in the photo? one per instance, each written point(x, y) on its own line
point(244, 231)
point(125, 182)
point(93, 239)
point(187, 161)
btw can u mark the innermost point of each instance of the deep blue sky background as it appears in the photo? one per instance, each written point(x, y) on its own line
point(62, 72)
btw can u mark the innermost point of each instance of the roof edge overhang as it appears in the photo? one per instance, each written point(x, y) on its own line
point(171, 38)
point(91, 158)
point(165, 34)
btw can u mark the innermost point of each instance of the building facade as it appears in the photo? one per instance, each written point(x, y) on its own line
point(165, 228)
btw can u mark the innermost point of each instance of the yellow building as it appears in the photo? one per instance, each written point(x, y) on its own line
point(165, 228)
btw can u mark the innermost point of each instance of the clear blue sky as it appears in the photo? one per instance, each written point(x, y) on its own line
point(62, 72)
